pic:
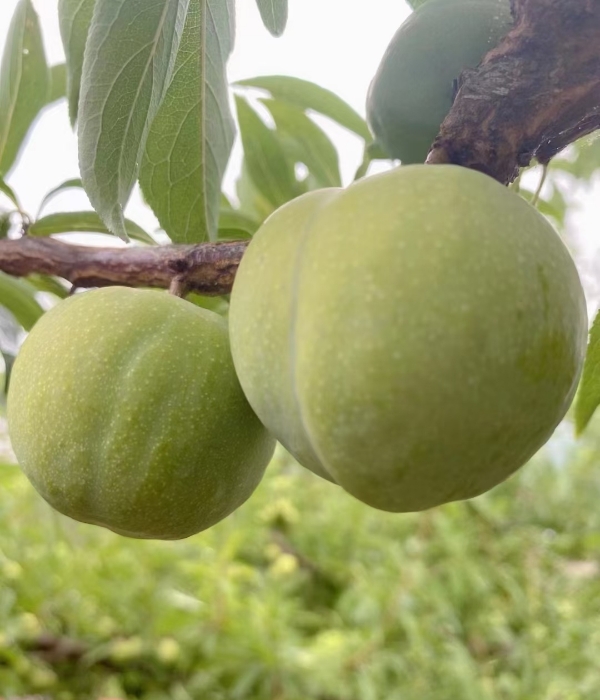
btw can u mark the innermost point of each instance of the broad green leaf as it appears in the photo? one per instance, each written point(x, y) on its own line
point(75, 17)
point(274, 15)
point(307, 142)
point(252, 202)
point(9, 192)
point(307, 95)
point(24, 82)
point(58, 83)
point(270, 170)
point(128, 62)
point(18, 296)
point(84, 222)
point(73, 183)
point(190, 139)
point(232, 220)
point(588, 396)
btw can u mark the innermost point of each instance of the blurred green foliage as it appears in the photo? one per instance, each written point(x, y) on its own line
point(304, 593)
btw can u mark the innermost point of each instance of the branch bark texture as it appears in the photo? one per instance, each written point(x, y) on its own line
point(207, 268)
point(534, 94)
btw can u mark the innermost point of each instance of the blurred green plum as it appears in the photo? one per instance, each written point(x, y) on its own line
point(125, 411)
point(413, 88)
point(415, 338)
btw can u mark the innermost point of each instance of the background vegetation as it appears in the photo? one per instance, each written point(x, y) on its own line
point(306, 593)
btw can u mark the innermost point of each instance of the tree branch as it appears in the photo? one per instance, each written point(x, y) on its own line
point(207, 268)
point(535, 93)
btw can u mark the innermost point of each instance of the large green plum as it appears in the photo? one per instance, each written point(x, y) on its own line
point(125, 411)
point(413, 88)
point(415, 338)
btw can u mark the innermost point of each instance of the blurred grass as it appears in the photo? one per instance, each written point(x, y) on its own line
point(305, 594)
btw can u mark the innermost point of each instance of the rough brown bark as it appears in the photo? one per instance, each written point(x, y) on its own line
point(207, 268)
point(535, 93)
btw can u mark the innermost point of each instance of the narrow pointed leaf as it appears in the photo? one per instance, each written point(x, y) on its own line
point(18, 296)
point(83, 222)
point(58, 83)
point(128, 62)
point(307, 95)
point(9, 192)
point(74, 183)
point(274, 15)
point(588, 397)
point(190, 139)
point(307, 142)
point(24, 82)
point(75, 17)
point(269, 168)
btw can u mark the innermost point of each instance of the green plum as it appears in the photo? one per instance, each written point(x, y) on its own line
point(415, 338)
point(413, 88)
point(125, 411)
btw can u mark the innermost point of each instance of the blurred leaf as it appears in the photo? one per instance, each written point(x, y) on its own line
point(73, 183)
point(271, 172)
point(274, 15)
point(9, 361)
point(5, 223)
point(128, 62)
point(190, 139)
point(18, 296)
point(252, 202)
point(45, 283)
point(75, 17)
point(588, 396)
point(233, 219)
point(307, 95)
point(413, 4)
point(586, 161)
point(307, 142)
point(24, 82)
point(58, 83)
point(9, 192)
point(84, 222)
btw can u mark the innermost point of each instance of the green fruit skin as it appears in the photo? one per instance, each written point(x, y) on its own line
point(124, 411)
point(416, 337)
point(413, 88)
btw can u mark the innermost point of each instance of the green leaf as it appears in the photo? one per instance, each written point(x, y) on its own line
point(9, 192)
point(588, 396)
point(307, 95)
point(75, 17)
point(45, 283)
point(24, 82)
point(128, 62)
point(190, 139)
point(82, 222)
point(306, 142)
point(66, 185)
point(271, 172)
point(252, 202)
point(274, 15)
point(58, 83)
point(232, 220)
point(586, 161)
point(18, 296)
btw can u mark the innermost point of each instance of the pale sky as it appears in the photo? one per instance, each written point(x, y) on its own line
point(335, 43)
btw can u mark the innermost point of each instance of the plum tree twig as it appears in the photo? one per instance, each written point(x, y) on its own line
point(533, 94)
